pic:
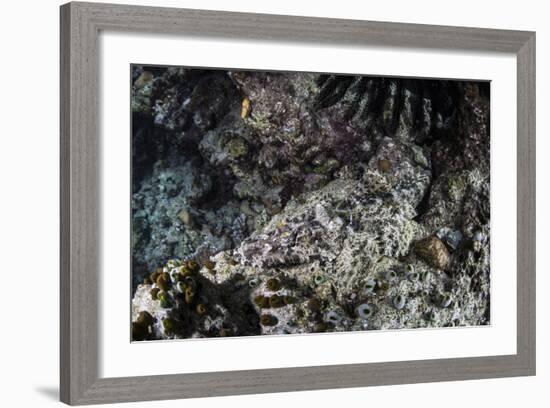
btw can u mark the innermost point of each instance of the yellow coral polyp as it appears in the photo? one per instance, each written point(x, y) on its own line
point(154, 292)
point(192, 265)
point(163, 281)
point(145, 318)
point(189, 295)
point(245, 107)
point(201, 309)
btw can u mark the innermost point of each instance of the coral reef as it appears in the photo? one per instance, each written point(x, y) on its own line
point(274, 203)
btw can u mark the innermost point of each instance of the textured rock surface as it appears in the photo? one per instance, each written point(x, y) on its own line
point(270, 203)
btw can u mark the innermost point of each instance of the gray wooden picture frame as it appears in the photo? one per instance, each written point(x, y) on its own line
point(80, 233)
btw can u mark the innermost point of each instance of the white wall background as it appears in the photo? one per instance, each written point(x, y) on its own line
point(29, 202)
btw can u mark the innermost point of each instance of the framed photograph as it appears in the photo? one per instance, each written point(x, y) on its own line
point(261, 203)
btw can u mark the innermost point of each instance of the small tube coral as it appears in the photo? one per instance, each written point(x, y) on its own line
point(333, 317)
point(192, 265)
point(201, 309)
point(145, 318)
point(164, 299)
point(189, 295)
point(289, 299)
point(163, 281)
point(319, 279)
point(169, 325)
point(399, 302)
point(370, 285)
point(273, 284)
point(154, 292)
point(445, 300)
point(276, 301)
point(261, 301)
point(314, 304)
point(364, 311)
point(268, 320)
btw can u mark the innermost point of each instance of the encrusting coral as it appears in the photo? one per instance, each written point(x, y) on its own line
point(274, 203)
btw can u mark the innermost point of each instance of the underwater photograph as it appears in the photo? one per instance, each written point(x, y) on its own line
point(271, 203)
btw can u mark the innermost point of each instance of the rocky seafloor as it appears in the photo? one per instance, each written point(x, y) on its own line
point(274, 203)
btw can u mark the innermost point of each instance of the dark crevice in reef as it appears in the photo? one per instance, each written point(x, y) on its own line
point(355, 183)
point(398, 104)
point(423, 205)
